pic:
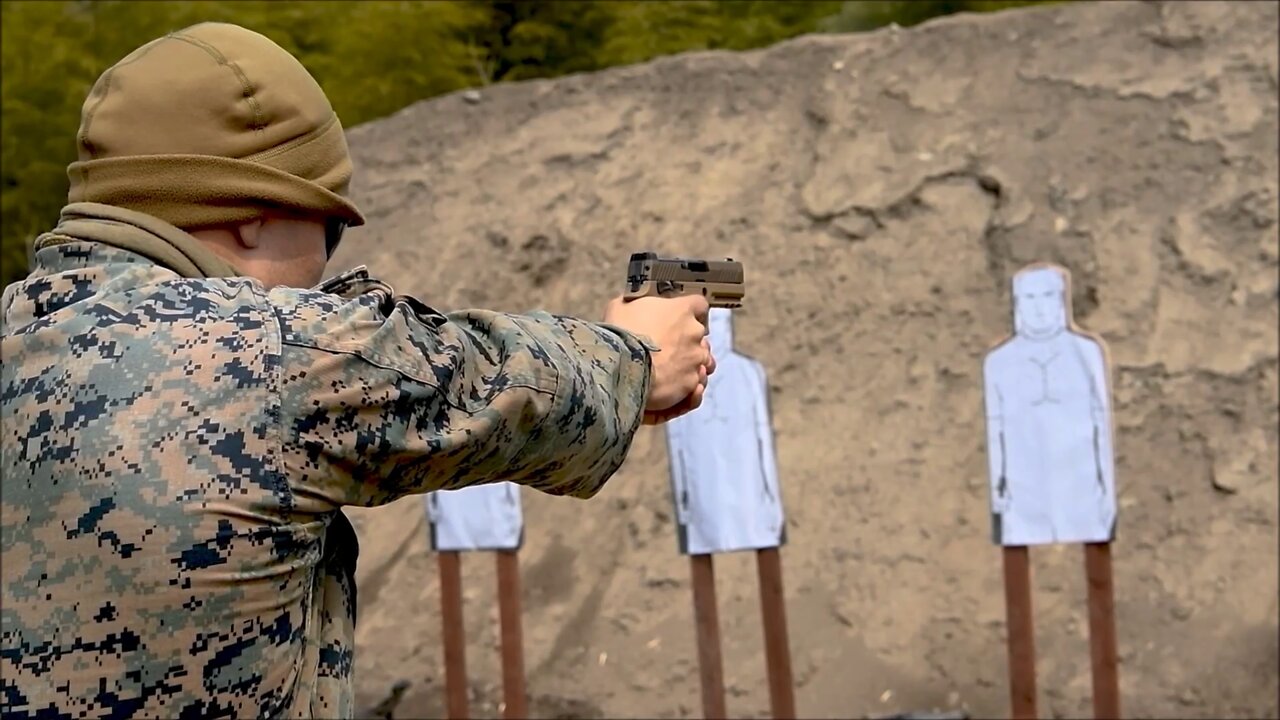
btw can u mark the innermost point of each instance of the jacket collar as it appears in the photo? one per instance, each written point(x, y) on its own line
point(133, 232)
point(101, 249)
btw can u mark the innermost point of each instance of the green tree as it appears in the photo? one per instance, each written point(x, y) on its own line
point(535, 39)
point(403, 52)
point(864, 15)
point(645, 30)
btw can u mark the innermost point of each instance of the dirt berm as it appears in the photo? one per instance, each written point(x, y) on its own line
point(881, 189)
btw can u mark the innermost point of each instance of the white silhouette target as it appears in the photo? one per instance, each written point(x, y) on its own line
point(724, 474)
point(480, 517)
point(1049, 428)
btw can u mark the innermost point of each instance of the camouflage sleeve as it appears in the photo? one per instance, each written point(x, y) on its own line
point(382, 397)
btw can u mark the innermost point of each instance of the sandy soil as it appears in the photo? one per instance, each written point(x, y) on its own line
point(880, 189)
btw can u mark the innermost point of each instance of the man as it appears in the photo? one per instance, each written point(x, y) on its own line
point(183, 422)
point(1048, 423)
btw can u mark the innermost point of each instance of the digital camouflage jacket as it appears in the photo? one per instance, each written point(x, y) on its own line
point(177, 448)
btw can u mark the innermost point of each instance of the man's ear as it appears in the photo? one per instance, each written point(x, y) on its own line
point(248, 233)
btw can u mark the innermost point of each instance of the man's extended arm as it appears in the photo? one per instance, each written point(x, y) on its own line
point(381, 398)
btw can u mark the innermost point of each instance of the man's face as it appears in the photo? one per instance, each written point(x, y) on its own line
point(1040, 306)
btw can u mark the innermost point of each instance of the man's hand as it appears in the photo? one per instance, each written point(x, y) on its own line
point(678, 326)
point(658, 417)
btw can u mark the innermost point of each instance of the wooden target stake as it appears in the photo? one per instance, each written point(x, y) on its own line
point(1021, 632)
point(515, 701)
point(707, 621)
point(455, 642)
point(1102, 631)
point(777, 647)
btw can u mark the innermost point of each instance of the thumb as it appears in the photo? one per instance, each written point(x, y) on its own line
point(699, 306)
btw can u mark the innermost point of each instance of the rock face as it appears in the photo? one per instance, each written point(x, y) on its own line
point(881, 189)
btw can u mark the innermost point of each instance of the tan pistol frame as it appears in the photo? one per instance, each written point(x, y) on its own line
point(719, 281)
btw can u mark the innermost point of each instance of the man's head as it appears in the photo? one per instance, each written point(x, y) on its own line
point(1039, 302)
point(221, 132)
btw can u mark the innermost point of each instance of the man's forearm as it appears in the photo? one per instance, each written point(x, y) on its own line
point(379, 408)
point(604, 373)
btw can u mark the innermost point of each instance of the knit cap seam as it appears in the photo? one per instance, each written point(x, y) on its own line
point(245, 85)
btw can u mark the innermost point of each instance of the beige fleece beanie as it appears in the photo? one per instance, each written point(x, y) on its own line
point(210, 125)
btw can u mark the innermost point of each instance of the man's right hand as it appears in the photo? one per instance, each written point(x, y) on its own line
point(678, 326)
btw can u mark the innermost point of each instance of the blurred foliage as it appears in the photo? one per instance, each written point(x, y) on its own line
point(372, 57)
point(870, 14)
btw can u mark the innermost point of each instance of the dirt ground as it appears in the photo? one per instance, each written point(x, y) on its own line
point(880, 189)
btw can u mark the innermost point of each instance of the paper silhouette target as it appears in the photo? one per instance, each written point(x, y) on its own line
point(480, 517)
point(1049, 426)
point(723, 471)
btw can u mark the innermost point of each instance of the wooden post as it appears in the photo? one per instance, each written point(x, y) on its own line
point(777, 648)
point(515, 702)
point(1102, 631)
point(1021, 632)
point(707, 622)
point(455, 641)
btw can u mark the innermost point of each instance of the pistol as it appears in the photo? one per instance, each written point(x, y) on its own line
point(719, 281)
